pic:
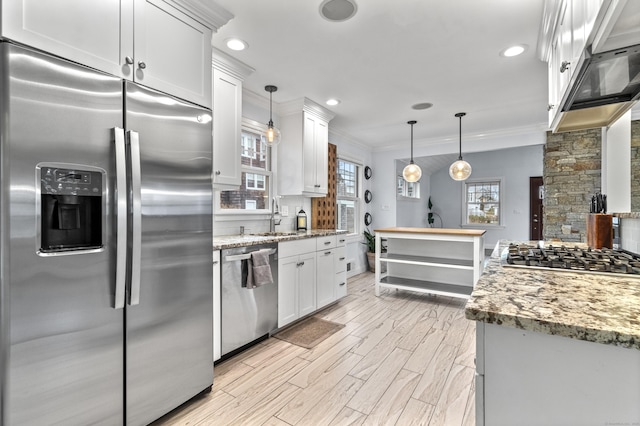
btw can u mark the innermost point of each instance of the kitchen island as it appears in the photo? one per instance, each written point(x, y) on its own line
point(445, 262)
point(555, 347)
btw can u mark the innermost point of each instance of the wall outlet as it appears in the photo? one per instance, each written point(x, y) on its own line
point(284, 211)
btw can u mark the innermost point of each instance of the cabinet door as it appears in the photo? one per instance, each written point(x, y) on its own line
point(227, 113)
point(565, 67)
point(325, 278)
point(341, 285)
point(94, 33)
point(322, 156)
point(309, 153)
point(287, 290)
point(307, 284)
point(172, 52)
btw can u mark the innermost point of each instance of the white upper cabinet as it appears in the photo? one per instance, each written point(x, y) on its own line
point(228, 75)
point(171, 52)
point(303, 150)
point(165, 45)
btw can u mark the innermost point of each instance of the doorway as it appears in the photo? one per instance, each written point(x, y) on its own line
point(536, 199)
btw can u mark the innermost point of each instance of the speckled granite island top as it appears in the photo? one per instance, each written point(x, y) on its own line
point(595, 308)
point(231, 241)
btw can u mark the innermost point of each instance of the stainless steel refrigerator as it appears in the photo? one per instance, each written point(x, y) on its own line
point(105, 246)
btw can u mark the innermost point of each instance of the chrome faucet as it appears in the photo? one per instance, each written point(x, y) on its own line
point(275, 215)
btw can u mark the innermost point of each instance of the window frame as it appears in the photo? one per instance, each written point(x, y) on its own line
point(501, 202)
point(358, 198)
point(251, 126)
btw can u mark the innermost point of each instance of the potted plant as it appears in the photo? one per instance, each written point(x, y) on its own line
point(431, 215)
point(370, 242)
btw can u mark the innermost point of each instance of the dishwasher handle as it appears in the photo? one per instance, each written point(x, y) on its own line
point(244, 256)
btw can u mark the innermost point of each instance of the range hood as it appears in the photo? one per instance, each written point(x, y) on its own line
point(607, 86)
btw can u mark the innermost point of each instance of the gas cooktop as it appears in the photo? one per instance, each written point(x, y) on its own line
point(572, 259)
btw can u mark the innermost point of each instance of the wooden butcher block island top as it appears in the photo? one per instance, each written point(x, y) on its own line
point(435, 231)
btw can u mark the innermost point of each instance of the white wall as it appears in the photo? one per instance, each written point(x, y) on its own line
point(515, 165)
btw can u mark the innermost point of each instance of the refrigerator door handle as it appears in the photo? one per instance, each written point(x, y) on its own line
point(121, 221)
point(136, 217)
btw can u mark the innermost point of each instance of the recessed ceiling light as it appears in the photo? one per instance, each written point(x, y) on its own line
point(236, 44)
point(514, 50)
point(333, 102)
point(422, 105)
point(338, 10)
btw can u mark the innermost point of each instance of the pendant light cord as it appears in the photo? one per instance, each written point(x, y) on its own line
point(460, 115)
point(412, 122)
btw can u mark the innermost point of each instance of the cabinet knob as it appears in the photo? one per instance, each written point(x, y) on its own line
point(142, 65)
point(550, 107)
point(217, 172)
point(564, 66)
point(128, 60)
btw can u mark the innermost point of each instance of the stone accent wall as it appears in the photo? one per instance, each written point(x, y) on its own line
point(635, 166)
point(572, 174)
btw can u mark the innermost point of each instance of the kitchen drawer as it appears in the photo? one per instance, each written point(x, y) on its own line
point(296, 247)
point(341, 285)
point(341, 259)
point(327, 242)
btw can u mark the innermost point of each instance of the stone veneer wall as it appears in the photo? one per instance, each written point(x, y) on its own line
point(572, 170)
point(635, 166)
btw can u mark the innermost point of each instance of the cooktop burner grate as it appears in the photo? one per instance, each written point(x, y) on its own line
point(572, 259)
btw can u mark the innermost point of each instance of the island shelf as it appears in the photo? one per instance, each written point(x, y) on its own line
point(437, 261)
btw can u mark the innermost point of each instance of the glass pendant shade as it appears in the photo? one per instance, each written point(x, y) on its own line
point(272, 134)
point(412, 172)
point(460, 170)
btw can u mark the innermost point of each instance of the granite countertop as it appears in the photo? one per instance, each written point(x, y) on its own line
point(231, 241)
point(591, 307)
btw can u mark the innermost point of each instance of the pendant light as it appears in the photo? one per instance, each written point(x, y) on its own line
point(272, 134)
point(460, 170)
point(411, 172)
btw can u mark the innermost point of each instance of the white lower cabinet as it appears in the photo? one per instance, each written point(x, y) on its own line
point(296, 280)
point(325, 279)
point(312, 274)
point(341, 269)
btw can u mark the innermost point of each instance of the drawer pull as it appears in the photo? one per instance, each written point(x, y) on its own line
point(327, 253)
point(342, 283)
point(326, 243)
point(342, 258)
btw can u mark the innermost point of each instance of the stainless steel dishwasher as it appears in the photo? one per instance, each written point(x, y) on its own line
point(247, 314)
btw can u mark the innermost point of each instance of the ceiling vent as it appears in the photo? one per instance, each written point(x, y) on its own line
point(338, 10)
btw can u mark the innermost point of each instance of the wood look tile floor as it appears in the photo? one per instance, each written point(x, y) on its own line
point(403, 358)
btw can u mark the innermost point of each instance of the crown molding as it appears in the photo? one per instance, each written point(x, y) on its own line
point(229, 64)
point(306, 105)
point(206, 12)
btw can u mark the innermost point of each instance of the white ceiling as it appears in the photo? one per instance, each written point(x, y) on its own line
point(393, 54)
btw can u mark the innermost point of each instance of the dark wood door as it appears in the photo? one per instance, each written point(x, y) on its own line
point(536, 197)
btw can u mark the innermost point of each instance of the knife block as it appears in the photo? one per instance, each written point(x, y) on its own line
point(599, 230)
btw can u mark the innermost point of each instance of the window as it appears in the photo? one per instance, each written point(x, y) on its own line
point(482, 203)
point(407, 189)
point(255, 190)
point(348, 196)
